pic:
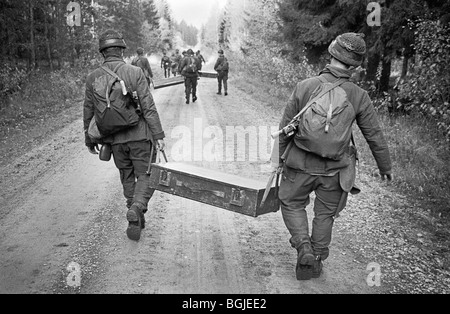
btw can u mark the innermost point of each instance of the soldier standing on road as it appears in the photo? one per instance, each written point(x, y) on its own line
point(166, 64)
point(182, 57)
point(331, 180)
point(174, 58)
point(222, 69)
point(200, 57)
point(132, 147)
point(190, 66)
point(142, 62)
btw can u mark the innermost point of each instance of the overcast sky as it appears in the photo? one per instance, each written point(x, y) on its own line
point(194, 12)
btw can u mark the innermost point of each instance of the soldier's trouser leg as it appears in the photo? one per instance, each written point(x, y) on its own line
point(194, 86)
point(132, 160)
point(328, 196)
point(225, 83)
point(219, 82)
point(188, 87)
point(294, 194)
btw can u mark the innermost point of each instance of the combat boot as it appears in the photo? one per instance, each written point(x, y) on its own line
point(305, 261)
point(142, 220)
point(317, 267)
point(134, 217)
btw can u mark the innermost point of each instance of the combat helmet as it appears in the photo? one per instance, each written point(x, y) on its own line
point(111, 38)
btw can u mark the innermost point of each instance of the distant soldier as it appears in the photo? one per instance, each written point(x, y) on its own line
point(142, 62)
point(175, 58)
point(173, 64)
point(200, 57)
point(222, 68)
point(183, 56)
point(166, 65)
point(190, 66)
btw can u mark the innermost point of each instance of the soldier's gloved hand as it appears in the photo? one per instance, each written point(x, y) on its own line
point(93, 149)
point(387, 175)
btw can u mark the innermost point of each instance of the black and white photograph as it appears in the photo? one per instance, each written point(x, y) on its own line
point(225, 155)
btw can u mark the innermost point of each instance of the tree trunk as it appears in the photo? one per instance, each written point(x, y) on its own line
point(32, 44)
point(59, 28)
point(6, 49)
point(372, 67)
point(47, 41)
point(385, 75)
point(404, 67)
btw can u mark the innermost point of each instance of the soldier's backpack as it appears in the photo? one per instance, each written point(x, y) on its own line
point(114, 107)
point(191, 67)
point(325, 128)
point(136, 61)
point(223, 66)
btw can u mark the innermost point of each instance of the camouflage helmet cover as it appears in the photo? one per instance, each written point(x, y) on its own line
point(111, 38)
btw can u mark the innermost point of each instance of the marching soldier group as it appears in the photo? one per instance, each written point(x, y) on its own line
point(176, 65)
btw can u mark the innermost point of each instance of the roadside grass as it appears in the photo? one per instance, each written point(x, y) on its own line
point(43, 93)
point(420, 157)
point(45, 102)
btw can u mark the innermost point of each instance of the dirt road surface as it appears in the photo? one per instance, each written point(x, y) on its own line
point(60, 205)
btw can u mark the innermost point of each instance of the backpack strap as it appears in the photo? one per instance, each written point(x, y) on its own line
point(117, 78)
point(322, 79)
point(113, 73)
